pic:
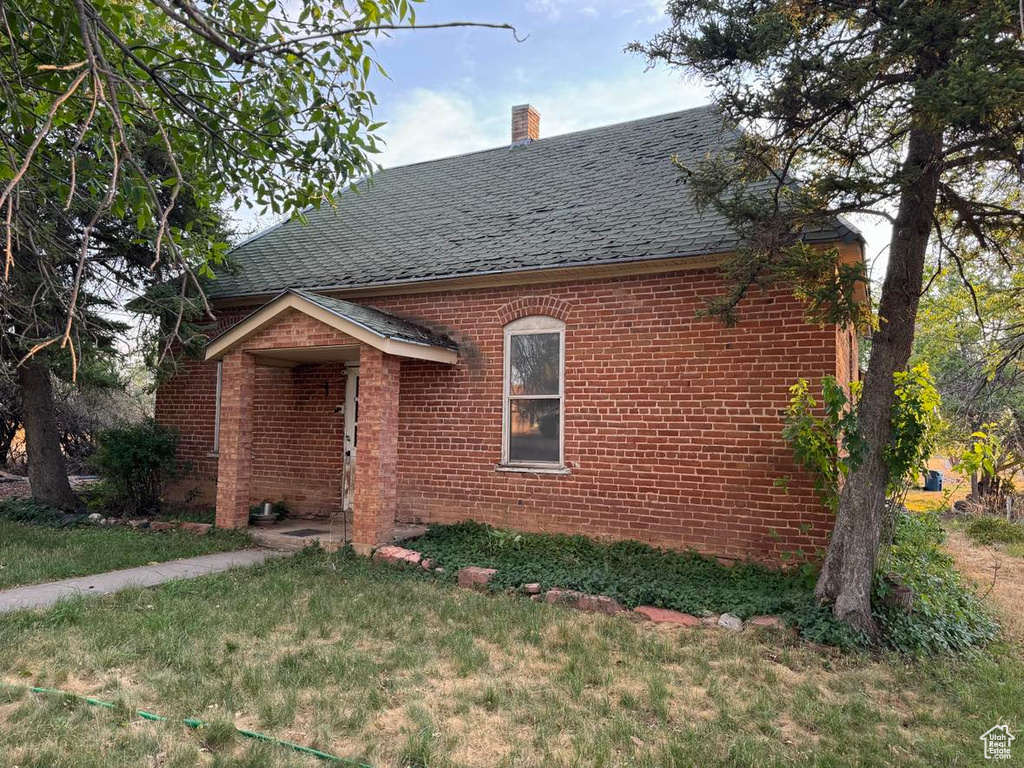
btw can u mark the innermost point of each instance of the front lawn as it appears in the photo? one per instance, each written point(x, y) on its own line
point(30, 554)
point(395, 668)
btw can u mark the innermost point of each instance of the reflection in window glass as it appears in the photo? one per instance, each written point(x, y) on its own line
point(534, 364)
point(534, 430)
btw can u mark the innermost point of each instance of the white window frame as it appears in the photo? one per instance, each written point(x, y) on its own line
point(526, 326)
point(216, 409)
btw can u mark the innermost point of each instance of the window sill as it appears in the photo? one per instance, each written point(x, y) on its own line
point(213, 455)
point(535, 470)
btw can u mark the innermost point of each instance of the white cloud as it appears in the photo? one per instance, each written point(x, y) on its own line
point(645, 11)
point(552, 9)
point(653, 10)
point(577, 106)
point(877, 232)
point(428, 124)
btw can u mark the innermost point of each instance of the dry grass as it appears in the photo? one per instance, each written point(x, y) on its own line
point(394, 669)
point(997, 574)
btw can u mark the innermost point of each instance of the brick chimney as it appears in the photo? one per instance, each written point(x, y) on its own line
point(525, 123)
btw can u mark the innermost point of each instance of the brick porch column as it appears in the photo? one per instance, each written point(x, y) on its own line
point(376, 494)
point(234, 467)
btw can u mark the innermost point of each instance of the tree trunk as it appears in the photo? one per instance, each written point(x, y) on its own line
point(848, 571)
point(46, 472)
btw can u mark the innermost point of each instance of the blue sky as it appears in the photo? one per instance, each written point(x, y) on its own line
point(452, 90)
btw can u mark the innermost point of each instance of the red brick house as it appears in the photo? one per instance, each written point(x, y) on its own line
point(512, 336)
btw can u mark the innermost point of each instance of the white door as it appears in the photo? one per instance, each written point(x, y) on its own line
point(351, 437)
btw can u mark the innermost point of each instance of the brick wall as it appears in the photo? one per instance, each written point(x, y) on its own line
point(672, 422)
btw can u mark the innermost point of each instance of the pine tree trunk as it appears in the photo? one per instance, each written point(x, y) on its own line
point(848, 572)
point(46, 472)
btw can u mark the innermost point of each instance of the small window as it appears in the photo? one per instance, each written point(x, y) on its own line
point(534, 388)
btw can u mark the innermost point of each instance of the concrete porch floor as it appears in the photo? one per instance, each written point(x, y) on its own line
point(330, 533)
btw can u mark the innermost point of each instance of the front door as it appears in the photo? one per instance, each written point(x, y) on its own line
point(351, 437)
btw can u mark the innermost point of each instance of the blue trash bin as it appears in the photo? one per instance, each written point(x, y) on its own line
point(933, 481)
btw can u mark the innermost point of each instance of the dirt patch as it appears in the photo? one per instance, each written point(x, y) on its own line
point(998, 578)
point(14, 489)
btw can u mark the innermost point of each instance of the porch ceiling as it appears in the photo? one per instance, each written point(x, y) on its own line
point(366, 325)
point(289, 358)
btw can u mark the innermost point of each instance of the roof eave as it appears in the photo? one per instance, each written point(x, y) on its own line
point(715, 254)
point(480, 274)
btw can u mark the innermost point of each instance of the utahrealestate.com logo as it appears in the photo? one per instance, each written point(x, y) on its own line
point(997, 742)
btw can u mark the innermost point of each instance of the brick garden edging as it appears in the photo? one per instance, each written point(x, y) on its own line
point(666, 616)
point(395, 555)
point(473, 577)
point(139, 524)
point(476, 577)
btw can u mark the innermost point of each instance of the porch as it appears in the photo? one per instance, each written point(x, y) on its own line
point(330, 533)
point(309, 394)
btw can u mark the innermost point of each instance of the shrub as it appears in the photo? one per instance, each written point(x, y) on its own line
point(946, 617)
point(134, 463)
point(994, 530)
point(830, 446)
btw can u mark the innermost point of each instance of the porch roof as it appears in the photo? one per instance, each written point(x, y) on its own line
point(368, 325)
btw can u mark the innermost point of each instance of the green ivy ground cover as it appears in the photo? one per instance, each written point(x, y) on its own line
point(946, 615)
point(634, 574)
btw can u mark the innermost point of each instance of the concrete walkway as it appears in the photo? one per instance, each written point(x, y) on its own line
point(45, 595)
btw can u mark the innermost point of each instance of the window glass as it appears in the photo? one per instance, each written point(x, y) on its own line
point(534, 427)
point(534, 364)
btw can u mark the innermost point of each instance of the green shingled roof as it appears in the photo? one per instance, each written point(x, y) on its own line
point(600, 196)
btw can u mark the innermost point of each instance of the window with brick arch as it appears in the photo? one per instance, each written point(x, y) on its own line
point(534, 417)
